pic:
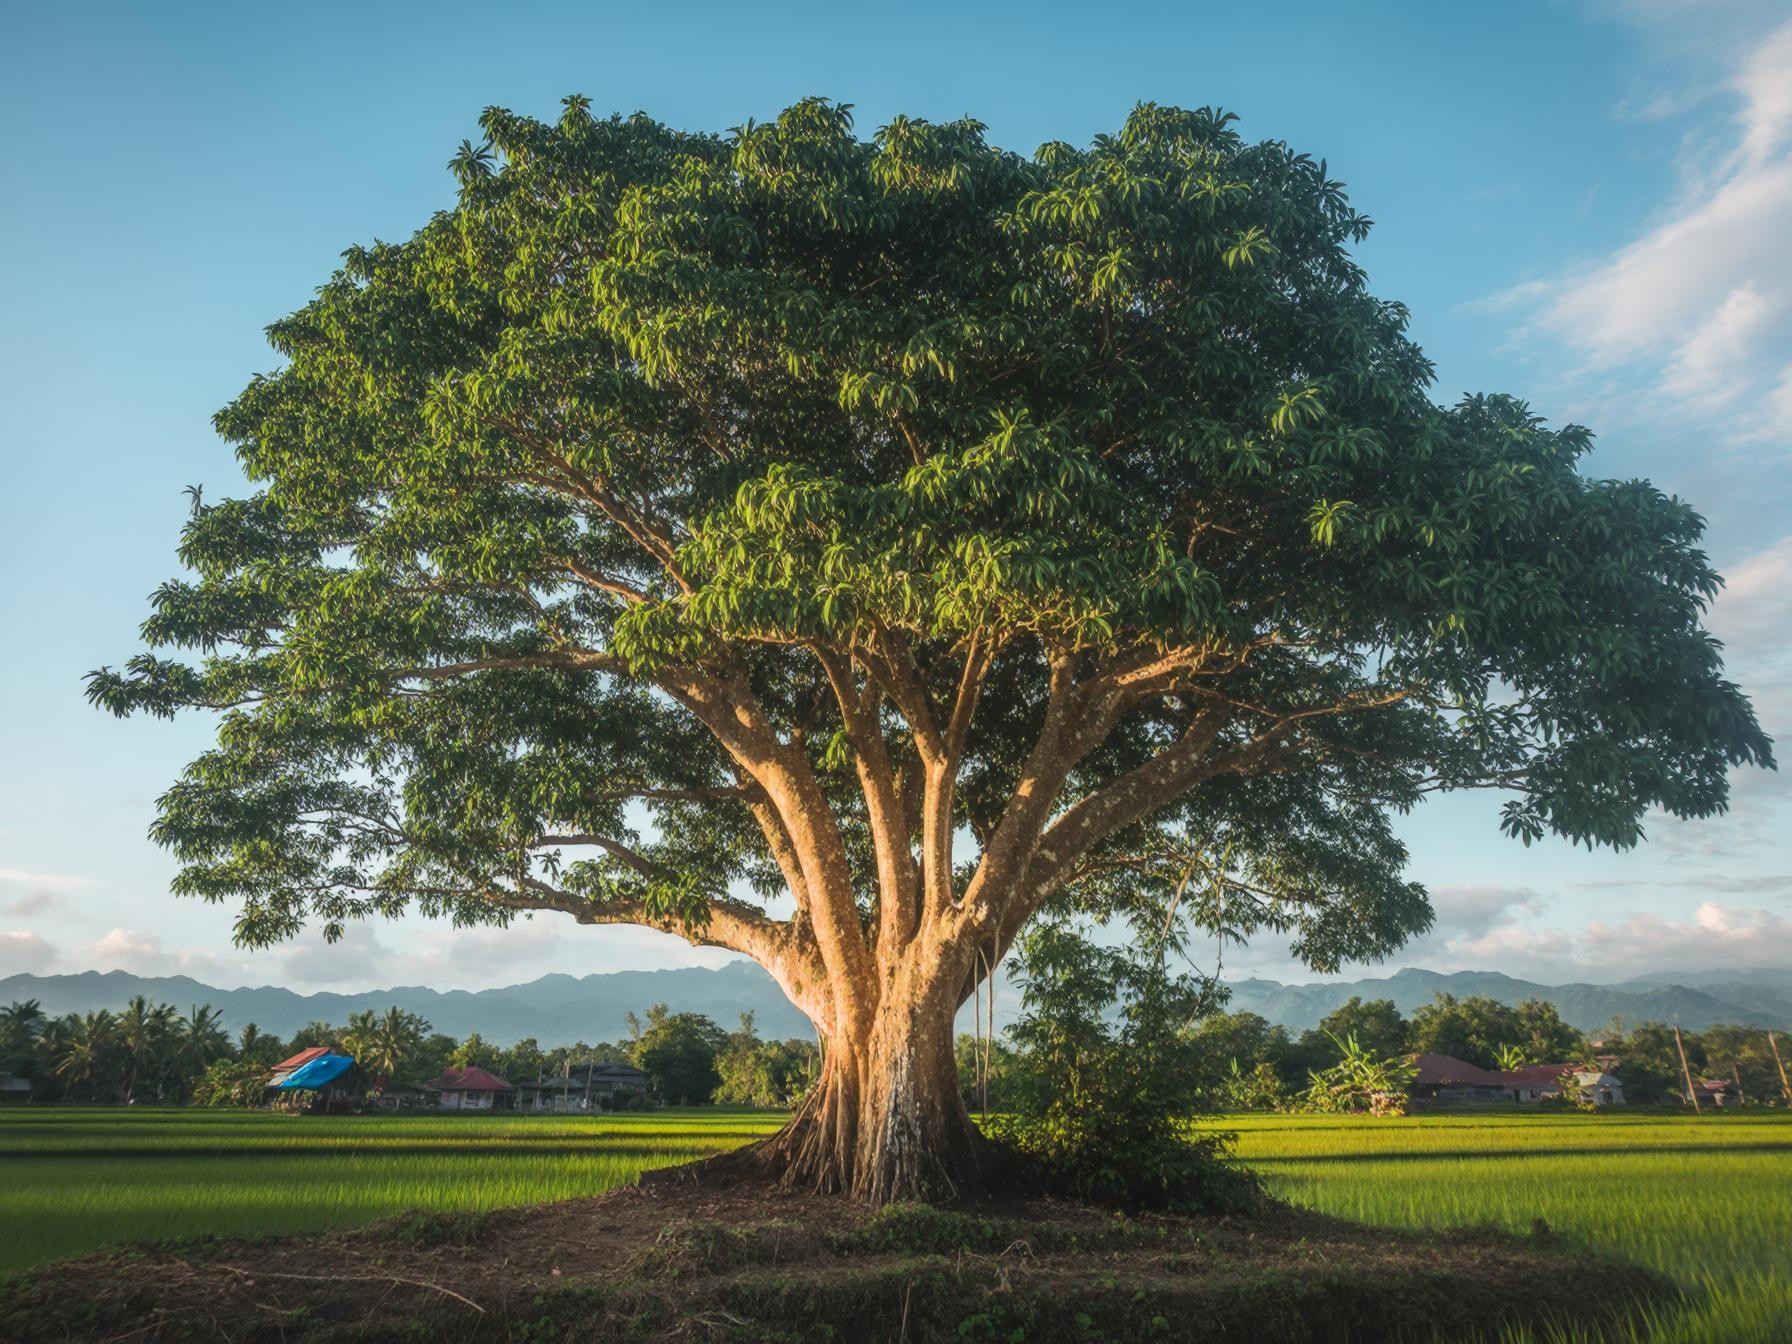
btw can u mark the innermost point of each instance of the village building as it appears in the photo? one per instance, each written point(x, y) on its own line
point(1717, 1092)
point(471, 1089)
point(1446, 1081)
point(315, 1079)
point(292, 1063)
point(588, 1087)
point(14, 1088)
point(402, 1097)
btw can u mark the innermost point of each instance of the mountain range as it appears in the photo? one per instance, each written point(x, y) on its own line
point(1696, 1000)
point(560, 1009)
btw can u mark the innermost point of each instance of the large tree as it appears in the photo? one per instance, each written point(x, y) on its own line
point(831, 549)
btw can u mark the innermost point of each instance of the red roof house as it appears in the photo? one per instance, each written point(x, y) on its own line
point(303, 1058)
point(1443, 1079)
point(471, 1089)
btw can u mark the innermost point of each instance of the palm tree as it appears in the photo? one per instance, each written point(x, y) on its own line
point(87, 1048)
point(397, 1037)
point(252, 1043)
point(145, 1031)
point(21, 1016)
point(52, 1037)
point(359, 1039)
point(20, 1022)
point(201, 1041)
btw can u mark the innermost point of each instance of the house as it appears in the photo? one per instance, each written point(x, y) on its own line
point(1445, 1081)
point(14, 1088)
point(1718, 1092)
point(1539, 1082)
point(292, 1063)
point(402, 1097)
point(327, 1075)
point(471, 1089)
point(588, 1087)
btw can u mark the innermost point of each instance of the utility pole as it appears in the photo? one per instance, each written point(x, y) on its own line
point(1785, 1087)
point(1685, 1072)
point(1736, 1077)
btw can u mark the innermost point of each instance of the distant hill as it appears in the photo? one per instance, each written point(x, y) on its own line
point(555, 1010)
point(560, 1009)
point(1762, 998)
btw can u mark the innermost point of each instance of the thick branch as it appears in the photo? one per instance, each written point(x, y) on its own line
point(896, 875)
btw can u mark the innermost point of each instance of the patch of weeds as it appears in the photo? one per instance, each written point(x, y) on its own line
point(420, 1228)
point(923, 1229)
point(709, 1247)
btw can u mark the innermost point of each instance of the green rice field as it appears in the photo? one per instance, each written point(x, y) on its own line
point(1708, 1201)
point(74, 1179)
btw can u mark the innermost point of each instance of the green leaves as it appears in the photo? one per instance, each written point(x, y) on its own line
point(650, 411)
point(1323, 519)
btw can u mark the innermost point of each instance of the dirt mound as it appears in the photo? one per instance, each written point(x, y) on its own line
point(672, 1262)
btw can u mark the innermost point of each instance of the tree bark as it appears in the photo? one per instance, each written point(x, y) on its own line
point(885, 1121)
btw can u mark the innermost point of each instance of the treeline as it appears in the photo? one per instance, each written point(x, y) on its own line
point(152, 1053)
point(1246, 1062)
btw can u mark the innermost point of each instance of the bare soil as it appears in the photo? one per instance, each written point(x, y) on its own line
point(673, 1261)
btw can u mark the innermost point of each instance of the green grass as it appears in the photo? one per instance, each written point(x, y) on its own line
point(1708, 1201)
point(1705, 1200)
point(73, 1180)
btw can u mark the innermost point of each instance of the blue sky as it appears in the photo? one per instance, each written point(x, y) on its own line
point(1583, 204)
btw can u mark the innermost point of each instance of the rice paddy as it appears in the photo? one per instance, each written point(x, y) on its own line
point(1708, 1201)
point(75, 1179)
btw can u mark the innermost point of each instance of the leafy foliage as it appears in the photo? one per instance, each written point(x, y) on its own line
point(652, 420)
point(678, 1052)
point(1103, 1106)
point(1362, 1080)
point(1477, 1029)
point(757, 1072)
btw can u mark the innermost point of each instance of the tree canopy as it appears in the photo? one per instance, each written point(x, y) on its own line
point(911, 530)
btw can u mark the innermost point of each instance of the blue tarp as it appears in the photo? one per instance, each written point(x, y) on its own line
point(320, 1072)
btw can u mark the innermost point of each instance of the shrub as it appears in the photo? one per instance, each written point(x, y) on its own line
point(1107, 1075)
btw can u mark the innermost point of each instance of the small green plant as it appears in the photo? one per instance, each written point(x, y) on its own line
point(1508, 1058)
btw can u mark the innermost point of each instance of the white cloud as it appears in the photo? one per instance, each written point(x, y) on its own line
point(26, 953)
point(1753, 616)
point(1694, 316)
point(1468, 912)
point(416, 952)
point(1716, 937)
point(53, 881)
point(34, 903)
point(141, 952)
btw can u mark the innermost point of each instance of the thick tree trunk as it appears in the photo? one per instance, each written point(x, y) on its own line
point(885, 1121)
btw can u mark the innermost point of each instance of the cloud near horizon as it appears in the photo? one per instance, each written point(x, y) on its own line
point(1715, 936)
point(25, 953)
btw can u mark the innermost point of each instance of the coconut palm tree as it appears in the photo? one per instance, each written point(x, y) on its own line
point(395, 1040)
point(87, 1049)
point(200, 1041)
point(145, 1032)
point(253, 1045)
point(20, 1022)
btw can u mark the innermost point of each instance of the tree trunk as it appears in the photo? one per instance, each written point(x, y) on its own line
point(885, 1121)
